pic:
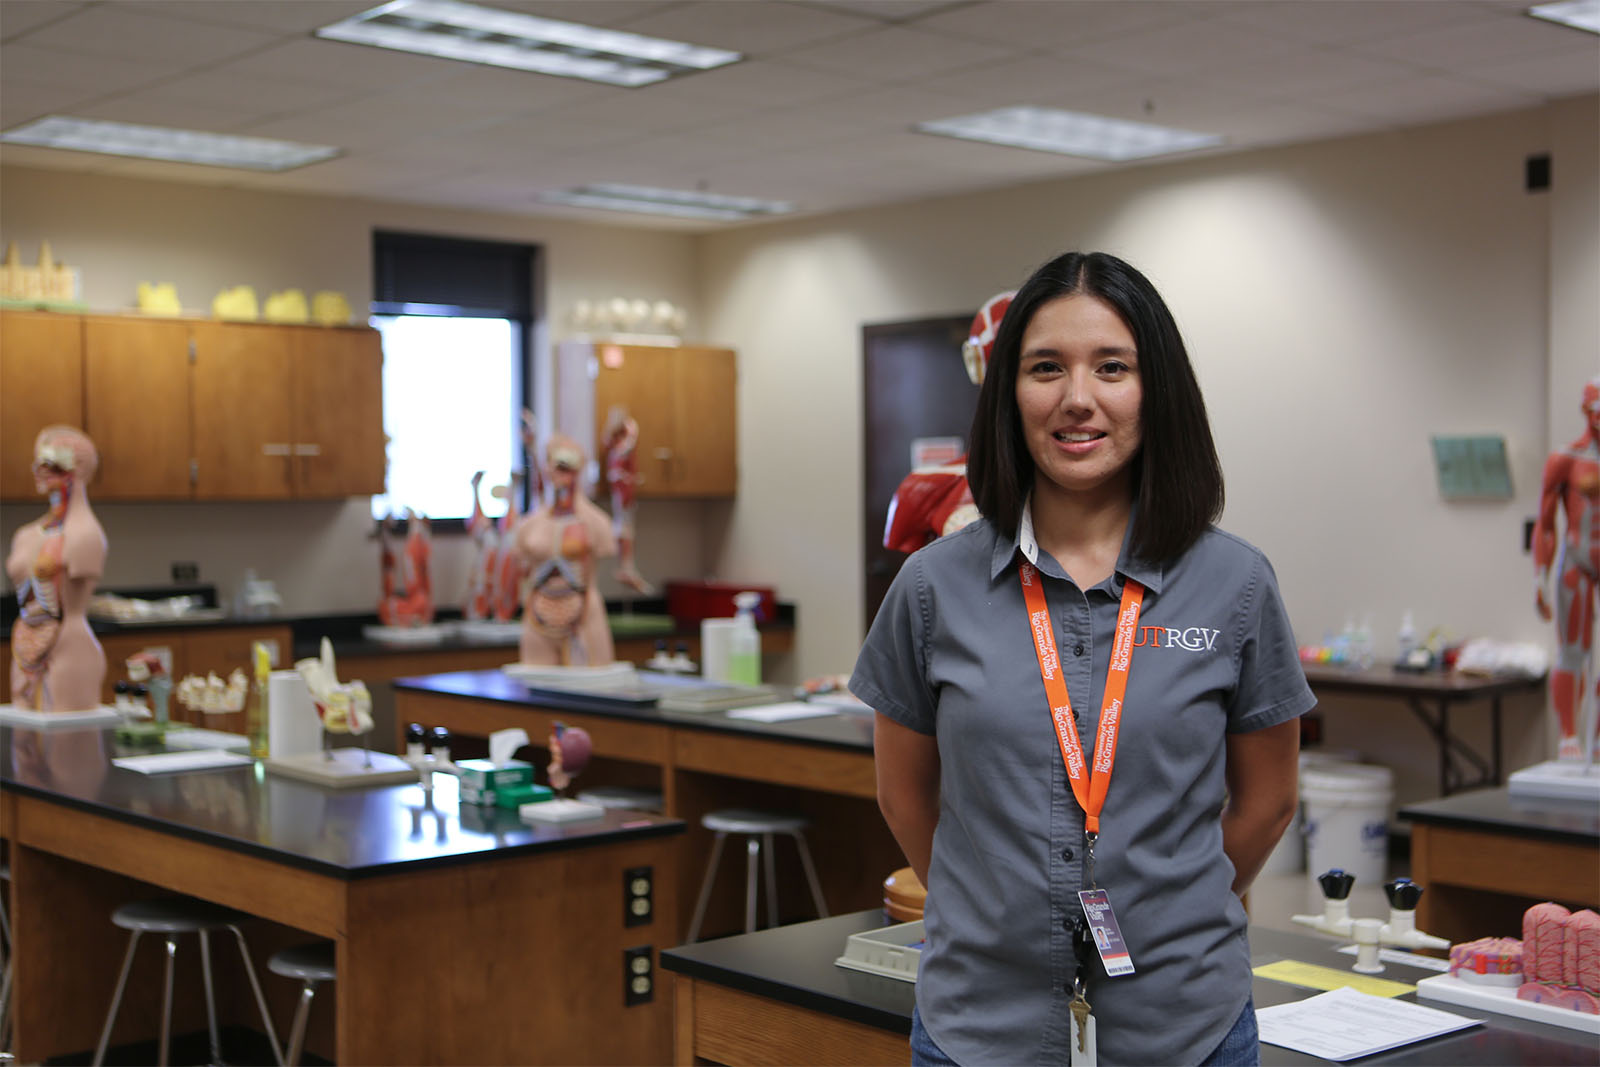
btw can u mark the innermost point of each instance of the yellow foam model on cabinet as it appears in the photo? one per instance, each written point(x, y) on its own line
point(330, 308)
point(237, 304)
point(48, 282)
point(159, 298)
point(287, 306)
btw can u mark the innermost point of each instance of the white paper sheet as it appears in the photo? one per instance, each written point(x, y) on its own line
point(1343, 1024)
point(790, 709)
point(192, 760)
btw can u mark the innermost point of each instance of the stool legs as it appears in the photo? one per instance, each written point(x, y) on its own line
point(297, 1033)
point(166, 1001)
point(211, 998)
point(772, 884)
point(255, 987)
point(705, 887)
point(811, 875)
point(116, 1001)
point(752, 848)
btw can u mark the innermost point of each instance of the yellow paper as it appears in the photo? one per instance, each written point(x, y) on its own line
point(1309, 975)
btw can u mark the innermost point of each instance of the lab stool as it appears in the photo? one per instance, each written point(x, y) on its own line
point(171, 916)
point(311, 964)
point(5, 978)
point(758, 828)
point(624, 797)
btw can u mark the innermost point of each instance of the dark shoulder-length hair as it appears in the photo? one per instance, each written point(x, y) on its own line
point(1177, 476)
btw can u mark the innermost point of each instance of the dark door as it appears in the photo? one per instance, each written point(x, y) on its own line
point(914, 385)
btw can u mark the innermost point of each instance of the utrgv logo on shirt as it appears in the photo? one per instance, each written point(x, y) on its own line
point(1041, 633)
point(1188, 638)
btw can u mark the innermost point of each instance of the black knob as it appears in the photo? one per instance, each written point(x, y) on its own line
point(122, 687)
point(1403, 894)
point(683, 648)
point(1336, 884)
point(661, 644)
point(414, 734)
point(140, 691)
point(441, 737)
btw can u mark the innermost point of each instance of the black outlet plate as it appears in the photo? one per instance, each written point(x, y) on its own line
point(638, 978)
point(638, 896)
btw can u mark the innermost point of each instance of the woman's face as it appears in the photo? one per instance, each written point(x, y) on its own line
point(1078, 395)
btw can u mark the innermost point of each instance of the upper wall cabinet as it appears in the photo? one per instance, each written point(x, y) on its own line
point(41, 384)
point(683, 399)
point(200, 410)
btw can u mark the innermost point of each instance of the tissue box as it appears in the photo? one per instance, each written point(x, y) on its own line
point(515, 796)
point(482, 779)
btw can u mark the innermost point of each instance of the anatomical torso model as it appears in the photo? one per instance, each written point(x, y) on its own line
point(54, 563)
point(1572, 488)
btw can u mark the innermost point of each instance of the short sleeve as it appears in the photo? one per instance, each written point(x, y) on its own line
point(891, 672)
point(1272, 685)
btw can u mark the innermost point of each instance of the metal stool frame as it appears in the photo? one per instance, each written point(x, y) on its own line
point(281, 963)
point(755, 842)
point(203, 928)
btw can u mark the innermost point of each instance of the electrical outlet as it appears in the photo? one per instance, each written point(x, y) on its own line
point(638, 896)
point(638, 976)
point(185, 572)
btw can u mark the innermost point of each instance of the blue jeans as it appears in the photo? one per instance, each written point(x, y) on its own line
point(1241, 1047)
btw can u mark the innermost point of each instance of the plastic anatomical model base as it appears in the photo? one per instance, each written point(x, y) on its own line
point(54, 563)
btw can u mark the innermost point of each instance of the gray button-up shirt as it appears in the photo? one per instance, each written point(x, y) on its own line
point(951, 654)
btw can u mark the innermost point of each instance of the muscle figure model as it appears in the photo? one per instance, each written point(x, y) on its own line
point(622, 475)
point(56, 663)
point(485, 566)
point(933, 501)
point(564, 620)
point(407, 583)
point(1572, 486)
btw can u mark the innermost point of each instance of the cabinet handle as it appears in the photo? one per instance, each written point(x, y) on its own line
point(272, 448)
point(308, 450)
point(663, 453)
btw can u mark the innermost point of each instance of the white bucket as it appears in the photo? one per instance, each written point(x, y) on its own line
point(1289, 855)
point(1347, 819)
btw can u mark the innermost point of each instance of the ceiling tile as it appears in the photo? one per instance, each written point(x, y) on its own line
point(20, 155)
point(1043, 80)
point(1563, 74)
point(90, 76)
point(119, 31)
point(1505, 37)
point(1335, 22)
point(1421, 99)
point(1294, 71)
point(174, 112)
point(893, 54)
point(284, 16)
point(340, 63)
point(764, 83)
point(17, 17)
point(1181, 48)
point(1060, 23)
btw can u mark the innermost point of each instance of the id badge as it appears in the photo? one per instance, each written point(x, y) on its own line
point(1107, 935)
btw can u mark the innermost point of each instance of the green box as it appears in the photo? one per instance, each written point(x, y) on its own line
point(482, 781)
point(517, 796)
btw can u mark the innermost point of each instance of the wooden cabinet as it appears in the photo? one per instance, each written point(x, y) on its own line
point(41, 384)
point(195, 409)
point(684, 399)
point(215, 650)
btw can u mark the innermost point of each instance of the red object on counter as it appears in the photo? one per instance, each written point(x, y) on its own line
point(689, 602)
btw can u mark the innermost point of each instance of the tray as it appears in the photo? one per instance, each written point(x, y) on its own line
point(11, 715)
point(347, 768)
point(893, 951)
point(1503, 999)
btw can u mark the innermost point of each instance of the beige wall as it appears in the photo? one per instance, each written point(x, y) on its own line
point(202, 238)
point(1342, 301)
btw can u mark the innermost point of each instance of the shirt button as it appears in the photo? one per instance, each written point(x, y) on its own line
point(1066, 854)
point(1078, 651)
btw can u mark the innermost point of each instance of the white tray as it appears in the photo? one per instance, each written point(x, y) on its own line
point(1503, 999)
point(559, 810)
point(199, 737)
point(12, 715)
point(893, 951)
point(203, 759)
point(408, 636)
point(1557, 780)
point(581, 678)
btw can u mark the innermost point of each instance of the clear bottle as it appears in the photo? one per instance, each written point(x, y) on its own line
point(1406, 640)
point(744, 652)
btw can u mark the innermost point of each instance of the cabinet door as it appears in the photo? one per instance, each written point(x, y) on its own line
point(137, 407)
point(41, 384)
point(338, 412)
point(226, 649)
point(241, 411)
point(643, 381)
point(706, 459)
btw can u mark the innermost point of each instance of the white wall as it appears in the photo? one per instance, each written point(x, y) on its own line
point(120, 232)
point(1342, 301)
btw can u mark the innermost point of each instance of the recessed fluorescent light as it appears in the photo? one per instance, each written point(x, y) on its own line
point(1071, 133)
point(680, 203)
point(159, 142)
point(1579, 14)
point(452, 30)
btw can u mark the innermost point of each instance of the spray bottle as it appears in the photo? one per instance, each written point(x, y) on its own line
point(744, 652)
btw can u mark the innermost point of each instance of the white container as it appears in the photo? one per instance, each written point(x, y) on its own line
point(716, 646)
point(293, 728)
point(1289, 856)
point(1346, 809)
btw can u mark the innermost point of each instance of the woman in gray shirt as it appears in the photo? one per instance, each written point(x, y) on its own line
point(1087, 698)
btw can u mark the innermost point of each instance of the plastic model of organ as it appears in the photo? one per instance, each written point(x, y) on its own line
point(407, 598)
point(561, 542)
point(1571, 488)
point(54, 563)
point(933, 501)
point(343, 707)
point(1561, 958)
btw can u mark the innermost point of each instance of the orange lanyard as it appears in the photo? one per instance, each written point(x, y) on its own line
point(1088, 786)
